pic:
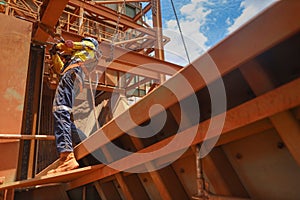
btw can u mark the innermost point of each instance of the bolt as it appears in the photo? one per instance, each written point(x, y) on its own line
point(280, 145)
point(239, 156)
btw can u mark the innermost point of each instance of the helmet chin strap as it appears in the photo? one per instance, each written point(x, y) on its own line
point(91, 63)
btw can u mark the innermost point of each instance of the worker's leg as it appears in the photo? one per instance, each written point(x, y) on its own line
point(77, 135)
point(62, 107)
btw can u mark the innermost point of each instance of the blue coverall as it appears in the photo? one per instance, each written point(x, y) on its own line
point(68, 87)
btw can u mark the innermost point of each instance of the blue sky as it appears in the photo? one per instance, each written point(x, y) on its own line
point(204, 23)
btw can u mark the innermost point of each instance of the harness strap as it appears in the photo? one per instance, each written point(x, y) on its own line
point(84, 69)
point(78, 64)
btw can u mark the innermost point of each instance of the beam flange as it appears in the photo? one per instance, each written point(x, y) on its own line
point(283, 98)
point(239, 52)
point(264, 106)
point(284, 122)
point(50, 17)
point(261, 34)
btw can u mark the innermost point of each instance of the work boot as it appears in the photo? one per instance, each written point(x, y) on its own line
point(67, 162)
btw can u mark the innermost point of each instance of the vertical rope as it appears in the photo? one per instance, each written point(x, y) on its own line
point(93, 102)
point(116, 33)
point(178, 24)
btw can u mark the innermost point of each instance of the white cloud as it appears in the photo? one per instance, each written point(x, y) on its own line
point(251, 9)
point(194, 17)
point(228, 21)
point(195, 42)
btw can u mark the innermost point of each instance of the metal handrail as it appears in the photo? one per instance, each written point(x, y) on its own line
point(93, 28)
point(79, 25)
point(20, 6)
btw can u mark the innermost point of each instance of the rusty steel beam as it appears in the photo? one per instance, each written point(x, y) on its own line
point(278, 100)
point(141, 13)
point(110, 89)
point(102, 87)
point(261, 34)
point(157, 23)
point(141, 61)
point(124, 67)
point(285, 123)
point(254, 38)
point(55, 178)
point(136, 85)
point(111, 15)
point(50, 17)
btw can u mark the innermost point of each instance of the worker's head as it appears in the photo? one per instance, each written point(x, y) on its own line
point(93, 40)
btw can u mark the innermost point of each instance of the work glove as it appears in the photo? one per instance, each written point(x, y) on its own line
point(69, 44)
point(53, 50)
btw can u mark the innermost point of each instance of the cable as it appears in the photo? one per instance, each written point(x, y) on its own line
point(116, 32)
point(178, 24)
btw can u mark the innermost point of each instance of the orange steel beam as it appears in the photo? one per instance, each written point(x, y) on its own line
point(50, 17)
point(157, 23)
point(262, 83)
point(251, 40)
point(145, 10)
point(55, 178)
point(99, 87)
point(139, 60)
point(110, 89)
point(124, 67)
point(278, 100)
point(271, 103)
point(259, 35)
point(136, 85)
point(112, 15)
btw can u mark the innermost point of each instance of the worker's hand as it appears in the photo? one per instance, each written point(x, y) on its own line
point(53, 50)
point(69, 44)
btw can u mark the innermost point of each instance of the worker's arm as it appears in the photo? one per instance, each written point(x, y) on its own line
point(69, 45)
point(65, 46)
point(83, 45)
point(56, 60)
point(57, 63)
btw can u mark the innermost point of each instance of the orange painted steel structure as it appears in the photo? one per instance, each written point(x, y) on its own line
point(247, 120)
point(285, 99)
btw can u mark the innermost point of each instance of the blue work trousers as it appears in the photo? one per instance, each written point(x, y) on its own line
point(66, 92)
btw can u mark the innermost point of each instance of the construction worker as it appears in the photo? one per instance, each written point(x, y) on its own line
point(82, 58)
